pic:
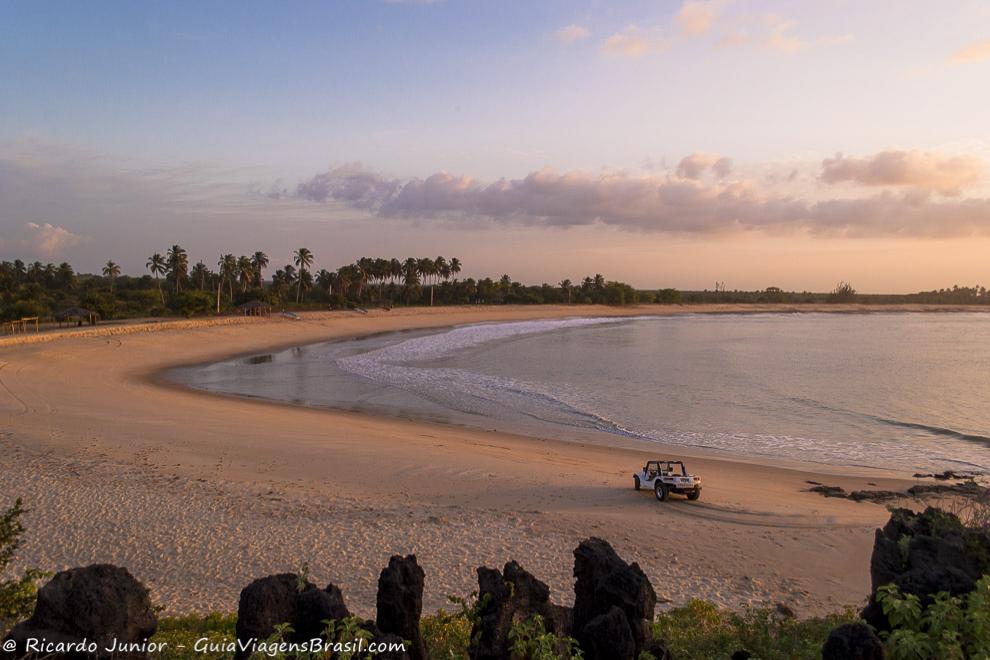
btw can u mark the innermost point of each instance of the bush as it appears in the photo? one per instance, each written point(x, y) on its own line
point(530, 640)
point(17, 596)
point(448, 634)
point(185, 631)
point(669, 297)
point(702, 631)
point(189, 303)
point(948, 627)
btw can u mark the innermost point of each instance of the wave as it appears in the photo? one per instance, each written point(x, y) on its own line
point(414, 365)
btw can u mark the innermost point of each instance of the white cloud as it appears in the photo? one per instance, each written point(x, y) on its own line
point(47, 240)
point(973, 53)
point(634, 42)
point(923, 170)
point(696, 17)
point(571, 33)
point(645, 203)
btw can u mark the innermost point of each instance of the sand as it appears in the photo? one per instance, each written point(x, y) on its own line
point(199, 494)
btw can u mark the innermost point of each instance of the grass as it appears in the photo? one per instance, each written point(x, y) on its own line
point(181, 634)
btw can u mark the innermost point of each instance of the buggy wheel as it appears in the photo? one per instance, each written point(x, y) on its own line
point(661, 491)
point(636, 483)
point(694, 494)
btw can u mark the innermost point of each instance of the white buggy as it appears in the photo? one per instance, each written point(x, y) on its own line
point(666, 477)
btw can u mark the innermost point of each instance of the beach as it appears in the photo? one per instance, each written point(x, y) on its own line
point(198, 494)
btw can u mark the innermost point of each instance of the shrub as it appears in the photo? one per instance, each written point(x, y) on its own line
point(189, 303)
point(180, 635)
point(448, 634)
point(530, 640)
point(702, 631)
point(948, 627)
point(17, 595)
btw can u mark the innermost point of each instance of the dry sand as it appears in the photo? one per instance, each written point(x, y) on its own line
point(198, 494)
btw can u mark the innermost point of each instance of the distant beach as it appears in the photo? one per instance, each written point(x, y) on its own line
point(198, 494)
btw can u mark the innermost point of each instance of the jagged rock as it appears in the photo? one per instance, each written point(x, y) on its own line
point(509, 597)
point(924, 554)
point(852, 641)
point(100, 603)
point(390, 655)
point(605, 583)
point(400, 603)
point(285, 598)
point(741, 654)
point(609, 635)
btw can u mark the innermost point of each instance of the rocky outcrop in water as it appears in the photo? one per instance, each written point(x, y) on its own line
point(102, 603)
point(400, 603)
point(614, 603)
point(923, 554)
point(286, 598)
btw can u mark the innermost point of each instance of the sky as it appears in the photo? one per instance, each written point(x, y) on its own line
point(664, 143)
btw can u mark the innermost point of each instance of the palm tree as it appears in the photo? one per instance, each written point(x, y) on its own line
point(259, 260)
point(566, 286)
point(303, 260)
point(178, 265)
point(199, 274)
point(112, 271)
point(455, 266)
point(156, 264)
point(410, 273)
point(245, 271)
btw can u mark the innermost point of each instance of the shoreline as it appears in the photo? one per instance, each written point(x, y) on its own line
point(117, 467)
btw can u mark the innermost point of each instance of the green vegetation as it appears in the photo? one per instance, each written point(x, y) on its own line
point(947, 627)
point(171, 287)
point(702, 631)
point(531, 641)
point(448, 634)
point(181, 633)
point(17, 595)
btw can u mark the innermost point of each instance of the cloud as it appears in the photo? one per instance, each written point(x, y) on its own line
point(644, 203)
point(47, 240)
point(972, 53)
point(923, 170)
point(571, 33)
point(633, 42)
point(779, 38)
point(696, 17)
point(695, 165)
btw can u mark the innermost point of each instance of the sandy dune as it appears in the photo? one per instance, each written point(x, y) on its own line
point(199, 494)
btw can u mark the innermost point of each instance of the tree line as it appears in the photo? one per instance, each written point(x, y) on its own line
point(172, 286)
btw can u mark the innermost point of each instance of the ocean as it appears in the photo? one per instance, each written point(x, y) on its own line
point(905, 392)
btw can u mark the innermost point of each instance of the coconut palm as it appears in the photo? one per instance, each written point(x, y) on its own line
point(303, 260)
point(259, 260)
point(245, 273)
point(566, 286)
point(199, 275)
point(178, 265)
point(112, 271)
point(455, 266)
point(156, 264)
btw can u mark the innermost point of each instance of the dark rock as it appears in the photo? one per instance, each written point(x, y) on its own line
point(874, 495)
point(924, 554)
point(285, 598)
point(852, 641)
point(509, 597)
point(609, 636)
point(659, 650)
point(101, 603)
point(967, 488)
point(606, 582)
point(390, 655)
point(741, 654)
point(828, 491)
point(400, 602)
